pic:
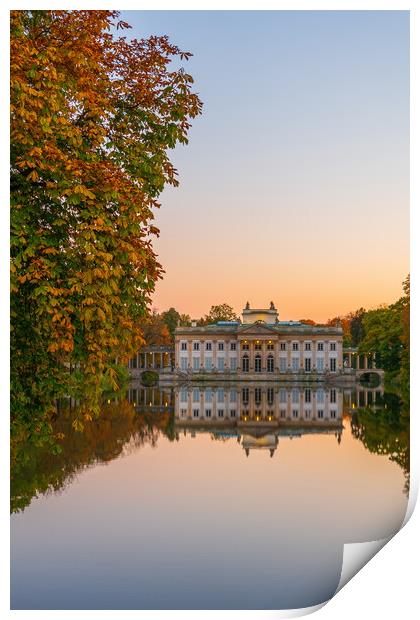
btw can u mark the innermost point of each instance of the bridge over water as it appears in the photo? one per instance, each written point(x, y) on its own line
point(360, 364)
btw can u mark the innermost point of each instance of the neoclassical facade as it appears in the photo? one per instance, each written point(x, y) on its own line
point(259, 347)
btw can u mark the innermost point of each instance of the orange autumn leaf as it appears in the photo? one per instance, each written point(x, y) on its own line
point(93, 118)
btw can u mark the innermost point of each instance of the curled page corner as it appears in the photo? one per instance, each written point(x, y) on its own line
point(305, 611)
point(412, 500)
point(356, 555)
point(269, 614)
point(297, 613)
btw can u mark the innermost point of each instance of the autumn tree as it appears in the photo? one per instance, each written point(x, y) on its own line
point(184, 320)
point(344, 323)
point(171, 319)
point(356, 326)
point(93, 115)
point(222, 312)
point(352, 326)
point(36, 469)
point(155, 330)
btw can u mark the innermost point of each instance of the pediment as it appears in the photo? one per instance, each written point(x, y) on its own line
point(258, 329)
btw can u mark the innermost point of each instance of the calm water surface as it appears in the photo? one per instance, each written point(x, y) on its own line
point(207, 497)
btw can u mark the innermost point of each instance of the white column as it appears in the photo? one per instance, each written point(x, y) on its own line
point(189, 351)
point(238, 355)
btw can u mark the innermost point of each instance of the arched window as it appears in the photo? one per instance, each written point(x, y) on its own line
point(245, 363)
point(258, 363)
point(270, 364)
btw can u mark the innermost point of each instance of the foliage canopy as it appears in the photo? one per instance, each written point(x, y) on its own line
point(387, 332)
point(221, 312)
point(93, 115)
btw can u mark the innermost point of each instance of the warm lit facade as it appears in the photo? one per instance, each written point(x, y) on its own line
point(259, 347)
point(259, 413)
point(259, 402)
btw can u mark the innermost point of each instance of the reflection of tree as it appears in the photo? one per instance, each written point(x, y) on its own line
point(386, 431)
point(36, 468)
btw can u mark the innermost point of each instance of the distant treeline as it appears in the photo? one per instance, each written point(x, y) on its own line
point(385, 331)
point(159, 329)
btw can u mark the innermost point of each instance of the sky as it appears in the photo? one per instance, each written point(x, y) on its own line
point(294, 187)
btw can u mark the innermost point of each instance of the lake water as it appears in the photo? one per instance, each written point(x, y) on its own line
point(207, 497)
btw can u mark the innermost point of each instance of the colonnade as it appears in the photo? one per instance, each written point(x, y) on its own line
point(359, 361)
point(150, 398)
point(362, 397)
point(152, 360)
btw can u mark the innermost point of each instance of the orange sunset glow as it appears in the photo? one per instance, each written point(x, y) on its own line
point(295, 183)
point(320, 268)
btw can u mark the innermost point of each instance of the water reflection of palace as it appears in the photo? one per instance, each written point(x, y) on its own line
point(246, 399)
point(153, 399)
point(256, 413)
point(248, 403)
point(359, 396)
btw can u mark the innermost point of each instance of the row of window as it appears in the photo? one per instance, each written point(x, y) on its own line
point(209, 346)
point(208, 413)
point(308, 395)
point(208, 363)
point(258, 347)
point(308, 414)
point(308, 367)
point(233, 365)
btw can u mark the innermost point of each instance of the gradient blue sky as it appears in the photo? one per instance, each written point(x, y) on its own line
point(295, 184)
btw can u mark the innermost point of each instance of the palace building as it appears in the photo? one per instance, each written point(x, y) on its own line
point(259, 347)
